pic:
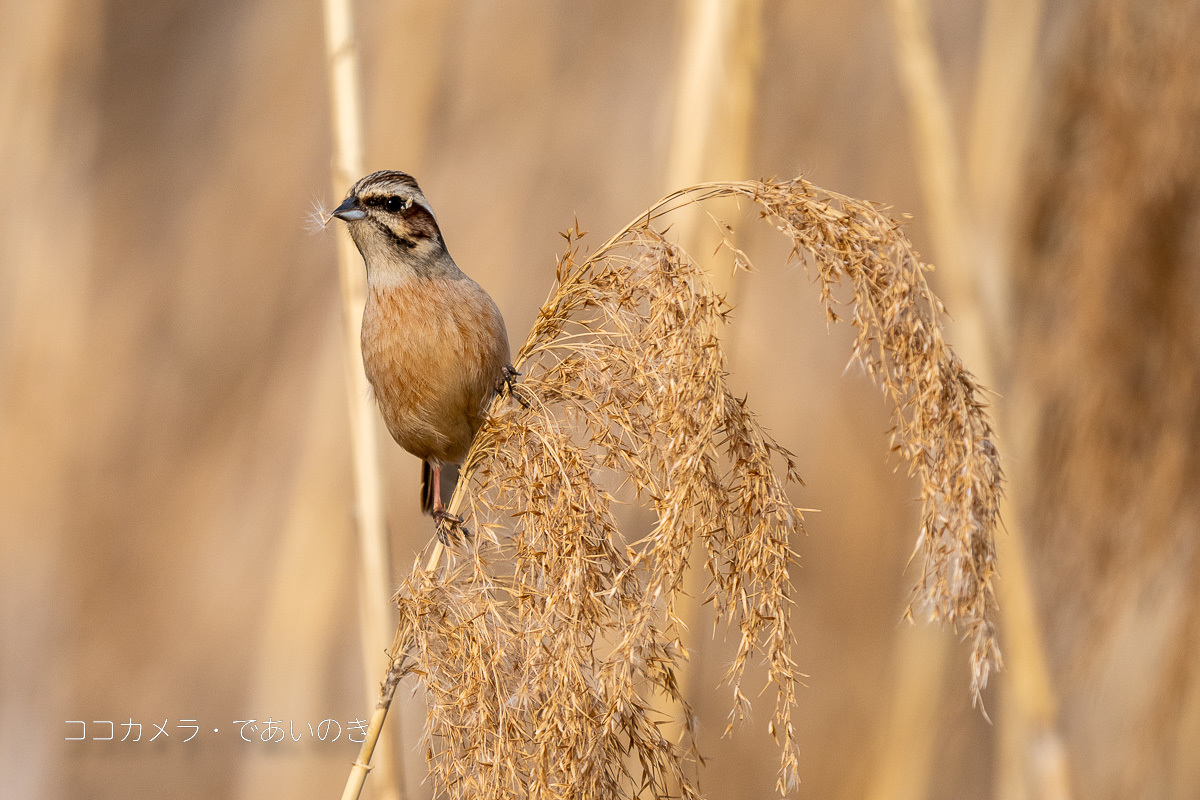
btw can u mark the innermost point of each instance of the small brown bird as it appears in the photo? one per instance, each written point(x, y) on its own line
point(433, 342)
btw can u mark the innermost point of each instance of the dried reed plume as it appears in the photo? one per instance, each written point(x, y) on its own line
point(545, 637)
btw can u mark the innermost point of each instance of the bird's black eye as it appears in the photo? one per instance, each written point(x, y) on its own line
point(394, 204)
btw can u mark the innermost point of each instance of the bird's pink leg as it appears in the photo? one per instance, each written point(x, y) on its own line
point(437, 490)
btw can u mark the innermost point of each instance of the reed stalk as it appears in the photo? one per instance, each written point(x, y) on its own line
point(997, 145)
point(387, 691)
point(909, 733)
point(715, 98)
point(50, 112)
point(983, 344)
point(939, 171)
point(374, 566)
point(1108, 325)
point(715, 92)
point(905, 762)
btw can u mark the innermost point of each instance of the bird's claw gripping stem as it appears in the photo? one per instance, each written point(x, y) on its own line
point(508, 382)
point(448, 527)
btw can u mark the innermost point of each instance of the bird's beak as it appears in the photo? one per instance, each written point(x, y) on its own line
point(349, 210)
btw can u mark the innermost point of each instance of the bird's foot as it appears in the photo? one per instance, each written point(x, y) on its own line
point(508, 382)
point(448, 527)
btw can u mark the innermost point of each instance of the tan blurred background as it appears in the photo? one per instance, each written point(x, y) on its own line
point(176, 507)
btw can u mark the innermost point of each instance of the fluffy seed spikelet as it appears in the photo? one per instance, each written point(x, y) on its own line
point(545, 640)
point(318, 217)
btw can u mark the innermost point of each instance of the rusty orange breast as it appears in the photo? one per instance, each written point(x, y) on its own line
point(433, 350)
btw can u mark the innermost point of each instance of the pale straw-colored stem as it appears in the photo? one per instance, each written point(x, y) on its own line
point(1030, 754)
point(982, 331)
point(387, 691)
point(904, 764)
point(996, 147)
point(374, 577)
point(706, 28)
point(715, 91)
point(922, 655)
point(362, 764)
point(938, 171)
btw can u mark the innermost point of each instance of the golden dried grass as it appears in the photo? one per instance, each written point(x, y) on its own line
point(542, 641)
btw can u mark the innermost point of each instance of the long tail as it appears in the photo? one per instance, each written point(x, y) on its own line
point(449, 481)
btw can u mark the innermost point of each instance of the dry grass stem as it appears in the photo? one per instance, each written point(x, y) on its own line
point(362, 764)
point(938, 164)
point(909, 736)
point(983, 338)
point(715, 97)
point(904, 764)
point(1001, 117)
point(375, 569)
point(542, 639)
point(1107, 293)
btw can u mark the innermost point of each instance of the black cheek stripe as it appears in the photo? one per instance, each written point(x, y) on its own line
point(398, 241)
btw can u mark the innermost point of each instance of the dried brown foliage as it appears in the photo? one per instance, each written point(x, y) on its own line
point(1111, 343)
point(1109, 290)
point(544, 640)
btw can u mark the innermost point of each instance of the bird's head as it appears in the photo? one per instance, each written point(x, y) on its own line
point(393, 226)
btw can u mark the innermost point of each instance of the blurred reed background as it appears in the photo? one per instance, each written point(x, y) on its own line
point(175, 486)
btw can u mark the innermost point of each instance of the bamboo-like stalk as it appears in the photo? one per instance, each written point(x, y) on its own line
point(922, 655)
point(1035, 749)
point(706, 27)
point(938, 170)
point(362, 764)
point(374, 577)
point(715, 96)
point(387, 691)
point(904, 767)
point(714, 109)
point(1028, 741)
point(983, 347)
point(50, 116)
point(996, 145)
point(301, 619)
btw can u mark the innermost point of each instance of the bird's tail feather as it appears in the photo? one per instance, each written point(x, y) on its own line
point(426, 488)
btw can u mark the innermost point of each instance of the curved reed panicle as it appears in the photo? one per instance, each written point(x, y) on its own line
point(542, 641)
point(942, 428)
